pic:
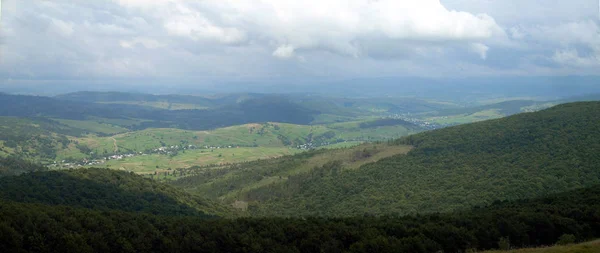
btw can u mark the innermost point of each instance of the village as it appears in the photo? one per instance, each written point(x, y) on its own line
point(164, 150)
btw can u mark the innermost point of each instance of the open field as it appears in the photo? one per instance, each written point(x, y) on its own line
point(156, 162)
point(93, 126)
point(586, 247)
point(347, 157)
point(71, 143)
point(160, 105)
point(466, 118)
point(347, 144)
point(248, 135)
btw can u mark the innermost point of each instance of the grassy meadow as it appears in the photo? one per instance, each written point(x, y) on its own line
point(586, 247)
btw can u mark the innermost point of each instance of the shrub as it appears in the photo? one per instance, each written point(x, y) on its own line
point(566, 239)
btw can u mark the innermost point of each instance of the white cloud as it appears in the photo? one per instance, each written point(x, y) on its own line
point(239, 38)
point(572, 44)
point(285, 51)
point(571, 58)
point(480, 49)
point(145, 42)
point(197, 27)
point(337, 26)
point(62, 27)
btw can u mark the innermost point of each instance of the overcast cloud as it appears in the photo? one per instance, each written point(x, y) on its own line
point(185, 41)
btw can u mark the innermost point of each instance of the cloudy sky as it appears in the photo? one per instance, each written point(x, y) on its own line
point(188, 41)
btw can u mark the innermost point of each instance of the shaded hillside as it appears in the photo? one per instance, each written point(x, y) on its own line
point(103, 189)
point(505, 108)
point(99, 97)
point(263, 109)
point(10, 166)
point(388, 122)
point(521, 156)
point(126, 97)
point(42, 228)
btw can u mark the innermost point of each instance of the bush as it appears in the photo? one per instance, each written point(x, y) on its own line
point(504, 243)
point(566, 239)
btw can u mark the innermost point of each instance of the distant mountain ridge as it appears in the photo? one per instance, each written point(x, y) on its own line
point(263, 109)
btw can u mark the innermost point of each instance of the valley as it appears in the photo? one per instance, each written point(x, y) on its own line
point(281, 126)
point(367, 168)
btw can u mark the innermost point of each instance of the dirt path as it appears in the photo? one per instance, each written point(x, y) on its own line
point(116, 148)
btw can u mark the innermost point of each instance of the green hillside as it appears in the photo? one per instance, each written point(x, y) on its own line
point(71, 142)
point(103, 189)
point(522, 156)
point(11, 166)
point(32, 227)
point(34, 138)
point(232, 184)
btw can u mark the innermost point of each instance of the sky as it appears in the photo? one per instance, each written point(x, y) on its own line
point(188, 42)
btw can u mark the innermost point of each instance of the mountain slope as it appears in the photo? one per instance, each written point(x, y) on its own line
point(10, 166)
point(103, 189)
point(28, 227)
point(521, 156)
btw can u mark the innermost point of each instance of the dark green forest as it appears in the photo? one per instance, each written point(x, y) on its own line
point(521, 181)
point(11, 166)
point(32, 227)
point(104, 189)
point(522, 156)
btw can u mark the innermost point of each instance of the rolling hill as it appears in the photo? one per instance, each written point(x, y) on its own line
point(103, 189)
point(261, 109)
point(522, 156)
point(526, 180)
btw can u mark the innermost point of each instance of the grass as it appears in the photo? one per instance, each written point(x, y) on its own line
point(265, 136)
point(347, 144)
point(586, 247)
point(346, 155)
point(467, 118)
point(330, 118)
point(93, 126)
point(155, 162)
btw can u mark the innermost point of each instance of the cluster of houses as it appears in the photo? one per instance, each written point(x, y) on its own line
point(306, 146)
point(422, 123)
point(164, 150)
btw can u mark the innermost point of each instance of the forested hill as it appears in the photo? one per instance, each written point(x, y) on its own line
point(574, 215)
point(104, 189)
point(260, 109)
point(521, 156)
point(10, 166)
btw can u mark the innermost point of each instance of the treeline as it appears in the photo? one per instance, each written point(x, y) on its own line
point(44, 228)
